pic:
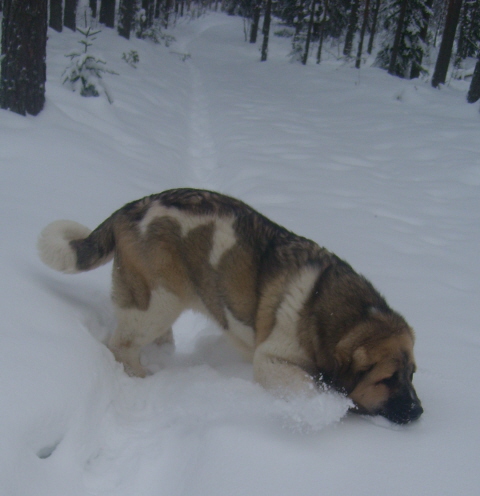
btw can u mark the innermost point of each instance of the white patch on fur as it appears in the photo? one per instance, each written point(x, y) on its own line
point(223, 239)
point(54, 248)
point(187, 221)
point(280, 362)
point(137, 328)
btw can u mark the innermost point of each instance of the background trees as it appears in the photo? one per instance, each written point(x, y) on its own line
point(23, 66)
point(404, 36)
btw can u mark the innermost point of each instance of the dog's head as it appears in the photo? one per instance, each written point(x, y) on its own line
point(375, 367)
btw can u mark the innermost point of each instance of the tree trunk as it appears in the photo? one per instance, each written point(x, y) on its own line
point(474, 91)
point(125, 18)
point(373, 30)
point(107, 13)
point(24, 45)
point(70, 14)
point(257, 9)
point(322, 31)
point(56, 21)
point(392, 69)
point(362, 34)
point(352, 28)
point(417, 65)
point(149, 7)
point(309, 32)
point(93, 7)
point(445, 52)
point(266, 30)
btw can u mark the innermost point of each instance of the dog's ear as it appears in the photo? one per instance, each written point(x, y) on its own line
point(360, 358)
point(343, 359)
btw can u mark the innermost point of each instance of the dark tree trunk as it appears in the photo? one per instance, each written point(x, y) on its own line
point(93, 7)
point(24, 46)
point(362, 34)
point(157, 8)
point(149, 7)
point(56, 21)
point(417, 65)
point(322, 31)
point(446, 46)
point(257, 9)
point(166, 16)
point(266, 30)
point(125, 19)
point(474, 91)
point(373, 30)
point(352, 28)
point(107, 13)
point(392, 68)
point(309, 32)
point(70, 14)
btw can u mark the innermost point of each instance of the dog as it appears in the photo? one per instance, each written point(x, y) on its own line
point(303, 316)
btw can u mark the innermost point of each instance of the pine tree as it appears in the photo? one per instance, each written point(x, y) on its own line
point(366, 12)
point(403, 52)
point(352, 28)
point(93, 7)
point(321, 33)
point(448, 38)
point(256, 11)
point(469, 30)
point(23, 68)
point(266, 30)
point(373, 28)
point(56, 20)
point(474, 91)
point(70, 14)
point(309, 31)
point(107, 13)
point(125, 17)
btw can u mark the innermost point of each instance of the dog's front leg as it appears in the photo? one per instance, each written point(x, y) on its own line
point(282, 376)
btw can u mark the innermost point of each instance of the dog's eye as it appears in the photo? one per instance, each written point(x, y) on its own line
point(389, 381)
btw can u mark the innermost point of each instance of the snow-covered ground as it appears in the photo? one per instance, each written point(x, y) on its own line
point(382, 171)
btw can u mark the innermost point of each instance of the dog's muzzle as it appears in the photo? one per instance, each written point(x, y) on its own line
point(404, 407)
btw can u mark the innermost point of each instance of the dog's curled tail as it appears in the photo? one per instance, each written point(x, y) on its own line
point(69, 247)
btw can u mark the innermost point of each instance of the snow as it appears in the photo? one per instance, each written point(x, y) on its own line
point(383, 171)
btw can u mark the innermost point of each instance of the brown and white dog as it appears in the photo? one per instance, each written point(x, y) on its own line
point(304, 316)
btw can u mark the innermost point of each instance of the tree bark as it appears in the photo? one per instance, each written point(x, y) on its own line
point(107, 13)
point(125, 19)
point(266, 30)
point(415, 72)
point(309, 32)
point(398, 37)
point(70, 14)
point(93, 7)
point(56, 20)
point(373, 30)
point(362, 34)
point(23, 67)
point(446, 46)
point(352, 28)
point(322, 31)
point(474, 91)
point(257, 9)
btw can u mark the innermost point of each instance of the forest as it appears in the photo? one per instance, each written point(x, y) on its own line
point(410, 39)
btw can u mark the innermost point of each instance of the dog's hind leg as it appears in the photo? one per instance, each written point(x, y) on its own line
point(138, 328)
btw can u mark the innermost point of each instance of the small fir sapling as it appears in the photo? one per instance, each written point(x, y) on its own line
point(86, 69)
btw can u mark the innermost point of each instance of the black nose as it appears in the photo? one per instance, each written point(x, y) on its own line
point(403, 408)
point(416, 411)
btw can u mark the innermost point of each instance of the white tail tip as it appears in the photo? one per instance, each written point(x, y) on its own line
point(54, 247)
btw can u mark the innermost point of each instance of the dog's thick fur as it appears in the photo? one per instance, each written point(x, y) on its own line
point(304, 316)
